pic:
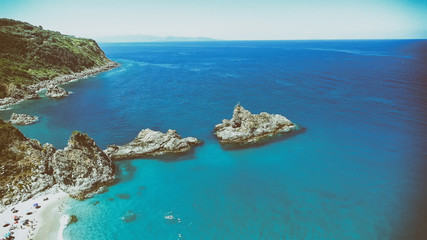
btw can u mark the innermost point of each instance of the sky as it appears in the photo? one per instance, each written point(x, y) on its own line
point(227, 19)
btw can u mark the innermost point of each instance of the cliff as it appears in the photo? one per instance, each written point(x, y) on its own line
point(27, 167)
point(30, 54)
point(81, 167)
point(24, 165)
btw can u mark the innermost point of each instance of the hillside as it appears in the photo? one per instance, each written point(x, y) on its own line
point(30, 54)
point(22, 165)
point(28, 167)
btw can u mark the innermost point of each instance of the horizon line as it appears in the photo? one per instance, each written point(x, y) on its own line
point(254, 40)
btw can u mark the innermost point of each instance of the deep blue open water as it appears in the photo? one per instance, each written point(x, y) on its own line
point(357, 172)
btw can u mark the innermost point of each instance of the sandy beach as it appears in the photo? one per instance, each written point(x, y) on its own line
point(40, 217)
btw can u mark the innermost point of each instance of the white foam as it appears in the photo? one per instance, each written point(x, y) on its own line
point(63, 222)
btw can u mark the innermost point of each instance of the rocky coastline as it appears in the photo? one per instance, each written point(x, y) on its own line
point(81, 168)
point(30, 92)
point(28, 168)
point(152, 143)
point(246, 128)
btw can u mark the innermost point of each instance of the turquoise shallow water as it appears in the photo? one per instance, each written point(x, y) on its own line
point(357, 172)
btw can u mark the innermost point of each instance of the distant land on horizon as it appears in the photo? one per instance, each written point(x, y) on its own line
point(151, 38)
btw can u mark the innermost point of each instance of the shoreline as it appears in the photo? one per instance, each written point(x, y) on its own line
point(53, 220)
point(42, 222)
point(60, 80)
point(47, 220)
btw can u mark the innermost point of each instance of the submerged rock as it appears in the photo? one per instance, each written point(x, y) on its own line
point(82, 167)
point(245, 127)
point(123, 196)
point(56, 92)
point(22, 119)
point(152, 143)
point(129, 217)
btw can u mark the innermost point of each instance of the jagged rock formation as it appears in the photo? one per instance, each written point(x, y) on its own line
point(22, 119)
point(56, 92)
point(245, 127)
point(152, 143)
point(82, 167)
point(27, 167)
point(24, 165)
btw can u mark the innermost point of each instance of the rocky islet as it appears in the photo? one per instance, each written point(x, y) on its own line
point(22, 119)
point(245, 127)
point(56, 92)
point(152, 143)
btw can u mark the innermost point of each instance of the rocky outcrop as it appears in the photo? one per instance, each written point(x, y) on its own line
point(82, 167)
point(22, 119)
point(32, 96)
point(56, 92)
point(27, 167)
point(24, 165)
point(15, 91)
point(152, 143)
point(245, 127)
point(21, 92)
point(5, 102)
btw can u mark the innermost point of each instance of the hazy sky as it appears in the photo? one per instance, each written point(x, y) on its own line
point(227, 19)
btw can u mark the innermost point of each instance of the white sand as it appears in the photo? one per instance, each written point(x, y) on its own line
point(63, 222)
point(44, 222)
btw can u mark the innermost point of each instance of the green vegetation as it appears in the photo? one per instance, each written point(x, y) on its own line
point(8, 134)
point(30, 54)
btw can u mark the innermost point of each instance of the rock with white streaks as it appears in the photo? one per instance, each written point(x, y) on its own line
point(152, 143)
point(56, 92)
point(22, 119)
point(82, 167)
point(245, 127)
point(24, 165)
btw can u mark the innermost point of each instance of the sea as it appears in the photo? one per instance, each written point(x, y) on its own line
point(358, 170)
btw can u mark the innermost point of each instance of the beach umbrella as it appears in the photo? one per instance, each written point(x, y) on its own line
point(35, 204)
